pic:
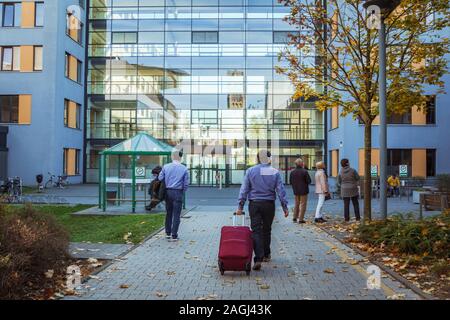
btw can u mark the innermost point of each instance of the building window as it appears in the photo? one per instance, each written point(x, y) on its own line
point(10, 58)
point(39, 14)
point(10, 14)
point(397, 157)
point(72, 68)
point(431, 110)
point(204, 117)
point(431, 162)
point(9, 109)
point(124, 37)
point(37, 66)
point(72, 114)
point(281, 37)
point(7, 58)
point(399, 118)
point(74, 28)
point(71, 161)
point(205, 37)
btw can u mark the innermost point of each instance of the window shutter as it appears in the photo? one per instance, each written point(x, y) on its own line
point(71, 154)
point(419, 163)
point(26, 58)
point(73, 68)
point(418, 117)
point(25, 109)
point(28, 12)
point(72, 115)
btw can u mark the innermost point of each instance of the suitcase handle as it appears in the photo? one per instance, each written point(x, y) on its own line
point(234, 219)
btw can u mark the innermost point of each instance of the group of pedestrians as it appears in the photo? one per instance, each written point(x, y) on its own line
point(261, 186)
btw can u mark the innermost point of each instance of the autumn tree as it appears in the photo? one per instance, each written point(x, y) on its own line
point(333, 59)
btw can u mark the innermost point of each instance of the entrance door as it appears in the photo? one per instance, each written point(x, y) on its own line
point(203, 170)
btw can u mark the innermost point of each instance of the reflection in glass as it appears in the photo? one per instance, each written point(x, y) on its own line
point(198, 70)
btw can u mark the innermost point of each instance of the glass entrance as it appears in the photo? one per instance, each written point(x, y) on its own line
point(203, 170)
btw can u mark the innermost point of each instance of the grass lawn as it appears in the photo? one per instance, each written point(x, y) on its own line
point(102, 229)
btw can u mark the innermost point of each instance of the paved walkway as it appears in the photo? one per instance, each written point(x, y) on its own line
point(307, 264)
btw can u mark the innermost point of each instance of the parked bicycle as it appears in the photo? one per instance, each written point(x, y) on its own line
point(56, 182)
point(11, 190)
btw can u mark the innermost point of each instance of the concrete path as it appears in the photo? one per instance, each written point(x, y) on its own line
point(307, 264)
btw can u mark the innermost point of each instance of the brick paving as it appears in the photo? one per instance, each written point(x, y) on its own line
point(307, 264)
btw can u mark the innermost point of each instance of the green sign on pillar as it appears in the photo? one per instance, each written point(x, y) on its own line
point(374, 171)
point(403, 170)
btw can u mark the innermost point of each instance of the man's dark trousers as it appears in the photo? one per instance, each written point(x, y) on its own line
point(174, 203)
point(262, 214)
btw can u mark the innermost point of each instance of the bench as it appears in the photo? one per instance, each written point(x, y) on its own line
point(434, 202)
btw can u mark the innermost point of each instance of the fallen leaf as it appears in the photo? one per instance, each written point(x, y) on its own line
point(264, 286)
point(161, 294)
point(49, 274)
point(398, 296)
point(124, 286)
point(127, 236)
point(328, 270)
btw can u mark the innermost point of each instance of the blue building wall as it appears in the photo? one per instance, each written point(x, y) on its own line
point(348, 138)
point(38, 147)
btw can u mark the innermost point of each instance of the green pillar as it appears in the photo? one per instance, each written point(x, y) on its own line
point(133, 183)
point(100, 182)
point(118, 177)
point(103, 169)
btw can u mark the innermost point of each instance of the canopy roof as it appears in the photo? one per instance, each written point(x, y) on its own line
point(143, 144)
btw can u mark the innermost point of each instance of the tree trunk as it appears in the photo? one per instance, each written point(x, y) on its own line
point(367, 174)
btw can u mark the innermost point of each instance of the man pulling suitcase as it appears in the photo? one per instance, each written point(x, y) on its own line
point(261, 185)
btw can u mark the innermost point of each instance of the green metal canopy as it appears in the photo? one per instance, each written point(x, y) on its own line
point(140, 144)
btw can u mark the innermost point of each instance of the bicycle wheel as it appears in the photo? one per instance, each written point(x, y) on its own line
point(48, 184)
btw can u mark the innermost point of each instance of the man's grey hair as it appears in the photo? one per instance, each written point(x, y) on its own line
point(176, 155)
point(299, 162)
point(263, 156)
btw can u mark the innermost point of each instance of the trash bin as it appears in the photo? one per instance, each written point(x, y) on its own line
point(111, 196)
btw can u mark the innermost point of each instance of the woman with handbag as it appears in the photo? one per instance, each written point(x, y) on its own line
point(322, 191)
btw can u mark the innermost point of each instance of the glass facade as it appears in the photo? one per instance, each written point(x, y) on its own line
point(200, 73)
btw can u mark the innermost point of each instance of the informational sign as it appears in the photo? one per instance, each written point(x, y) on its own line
point(374, 171)
point(140, 172)
point(235, 101)
point(403, 170)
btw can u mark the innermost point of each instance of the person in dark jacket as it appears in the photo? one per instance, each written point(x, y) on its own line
point(300, 181)
point(348, 180)
point(154, 189)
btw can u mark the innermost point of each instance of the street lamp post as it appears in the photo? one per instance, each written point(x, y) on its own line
point(383, 8)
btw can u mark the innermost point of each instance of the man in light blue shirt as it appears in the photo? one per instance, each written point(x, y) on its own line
point(176, 179)
point(261, 185)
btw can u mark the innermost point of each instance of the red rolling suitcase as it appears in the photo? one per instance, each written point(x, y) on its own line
point(236, 248)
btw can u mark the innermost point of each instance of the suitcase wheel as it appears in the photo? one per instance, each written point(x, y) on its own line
point(248, 268)
point(221, 269)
